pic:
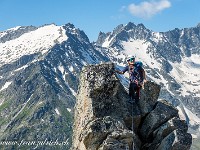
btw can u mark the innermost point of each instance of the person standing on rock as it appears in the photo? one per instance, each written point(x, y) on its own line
point(137, 77)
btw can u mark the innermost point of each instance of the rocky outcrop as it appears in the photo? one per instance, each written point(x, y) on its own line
point(101, 110)
point(103, 116)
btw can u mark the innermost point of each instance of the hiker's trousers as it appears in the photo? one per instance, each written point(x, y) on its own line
point(134, 91)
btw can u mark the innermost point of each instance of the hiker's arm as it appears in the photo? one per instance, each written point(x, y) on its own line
point(123, 71)
point(120, 72)
point(144, 78)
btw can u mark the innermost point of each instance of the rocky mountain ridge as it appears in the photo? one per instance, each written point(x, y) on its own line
point(104, 117)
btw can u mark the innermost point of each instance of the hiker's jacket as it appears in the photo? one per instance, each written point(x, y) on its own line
point(136, 74)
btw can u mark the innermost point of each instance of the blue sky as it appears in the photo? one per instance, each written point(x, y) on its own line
point(93, 16)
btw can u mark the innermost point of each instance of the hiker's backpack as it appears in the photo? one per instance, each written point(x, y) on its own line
point(139, 64)
point(137, 74)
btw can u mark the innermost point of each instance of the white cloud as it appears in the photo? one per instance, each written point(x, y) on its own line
point(148, 9)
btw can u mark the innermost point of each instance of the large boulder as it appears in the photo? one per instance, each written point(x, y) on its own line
point(162, 113)
point(176, 140)
point(149, 97)
point(164, 130)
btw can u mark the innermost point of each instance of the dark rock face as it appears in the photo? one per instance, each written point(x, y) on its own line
point(103, 116)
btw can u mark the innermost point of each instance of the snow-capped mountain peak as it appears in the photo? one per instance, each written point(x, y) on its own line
point(38, 41)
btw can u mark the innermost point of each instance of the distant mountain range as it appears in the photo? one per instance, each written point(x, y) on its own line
point(40, 67)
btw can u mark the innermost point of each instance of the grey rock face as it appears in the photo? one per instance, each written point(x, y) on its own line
point(103, 116)
point(101, 38)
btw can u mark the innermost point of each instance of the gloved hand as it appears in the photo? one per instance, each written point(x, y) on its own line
point(142, 84)
point(144, 81)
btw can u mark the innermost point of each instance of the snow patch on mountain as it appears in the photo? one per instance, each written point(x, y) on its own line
point(2, 34)
point(57, 111)
point(21, 68)
point(192, 120)
point(157, 36)
point(73, 92)
point(138, 48)
point(68, 109)
point(83, 63)
point(61, 68)
point(107, 42)
point(71, 68)
point(159, 80)
point(14, 28)
point(1, 101)
point(40, 40)
point(5, 86)
point(187, 75)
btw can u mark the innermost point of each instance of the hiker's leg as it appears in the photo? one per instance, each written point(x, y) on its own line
point(137, 94)
point(131, 92)
point(131, 101)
